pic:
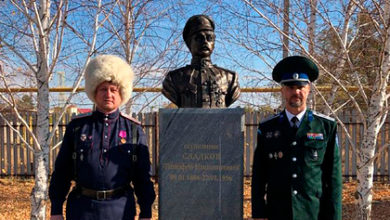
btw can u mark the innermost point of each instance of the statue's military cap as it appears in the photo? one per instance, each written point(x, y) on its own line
point(197, 23)
point(295, 70)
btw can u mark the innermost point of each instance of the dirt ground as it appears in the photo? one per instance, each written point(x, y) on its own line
point(15, 201)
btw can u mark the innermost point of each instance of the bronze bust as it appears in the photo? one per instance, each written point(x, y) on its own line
point(201, 84)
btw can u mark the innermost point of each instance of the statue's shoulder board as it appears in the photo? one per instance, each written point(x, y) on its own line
point(323, 116)
point(226, 70)
point(179, 70)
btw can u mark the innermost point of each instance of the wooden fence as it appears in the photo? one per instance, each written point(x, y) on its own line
point(17, 159)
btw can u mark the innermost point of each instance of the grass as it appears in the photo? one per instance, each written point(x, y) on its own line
point(15, 200)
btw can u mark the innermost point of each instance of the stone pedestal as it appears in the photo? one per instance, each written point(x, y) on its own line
point(201, 164)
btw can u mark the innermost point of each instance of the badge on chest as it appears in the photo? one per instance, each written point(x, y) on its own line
point(122, 136)
point(315, 136)
point(272, 134)
point(275, 155)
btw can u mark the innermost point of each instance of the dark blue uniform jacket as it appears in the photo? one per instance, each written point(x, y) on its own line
point(104, 161)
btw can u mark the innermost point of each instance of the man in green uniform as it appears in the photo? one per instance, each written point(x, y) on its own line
point(297, 165)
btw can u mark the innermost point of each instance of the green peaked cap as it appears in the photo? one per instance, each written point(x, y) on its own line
point(295, 70)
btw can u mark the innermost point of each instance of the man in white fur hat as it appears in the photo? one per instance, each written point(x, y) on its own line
point(103, 152)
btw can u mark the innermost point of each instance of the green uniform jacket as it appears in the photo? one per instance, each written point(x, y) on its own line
point(297, 176)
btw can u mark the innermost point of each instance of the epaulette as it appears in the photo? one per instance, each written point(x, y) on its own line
point(180, 69)
point(131, 118)
point(224, 69)
point(270, 118)
point(83, 115)
point(323, 116)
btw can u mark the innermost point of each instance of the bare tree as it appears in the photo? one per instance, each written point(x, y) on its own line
point(148, 35)
point(138, 28)
point(286, 26)
point(34, 36)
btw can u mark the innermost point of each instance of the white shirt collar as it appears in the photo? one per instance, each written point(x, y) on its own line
point(299, 116)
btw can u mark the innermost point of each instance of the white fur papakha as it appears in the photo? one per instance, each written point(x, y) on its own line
point(109, 68)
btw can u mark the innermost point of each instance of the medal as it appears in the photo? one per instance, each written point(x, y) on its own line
point(276, 156)
point(268, 135)
point(83, 137)
point(122, 135)
point(81, 155)
point(280, 154)
point(315, 155)
point(276, 134)
point(270, 156)
point(315, 136)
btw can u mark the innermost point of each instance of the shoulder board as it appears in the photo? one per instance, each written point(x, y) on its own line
point(270, 118)
point(82, 115)
point(131, 118)
point(323, 116)
point(180, 69)
point(227, 70)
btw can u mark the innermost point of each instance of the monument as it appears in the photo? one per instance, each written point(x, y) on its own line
point(201, 164)
point(201, 143)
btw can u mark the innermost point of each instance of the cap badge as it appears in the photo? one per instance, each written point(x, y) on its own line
point(295, 76)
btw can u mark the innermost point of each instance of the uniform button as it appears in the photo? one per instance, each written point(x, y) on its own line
point(105, 136)
point(105, 119)
point(294, 175)
point(294, 159)
point(106, 124)
point(295, 192)
point(105, 150)
point(81, 150)
point(294, 143)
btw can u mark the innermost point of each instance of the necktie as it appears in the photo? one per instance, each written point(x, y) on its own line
point(294, 121)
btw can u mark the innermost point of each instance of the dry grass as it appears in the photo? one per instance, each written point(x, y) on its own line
point(15, 200)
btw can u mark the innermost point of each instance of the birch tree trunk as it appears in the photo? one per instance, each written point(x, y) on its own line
point(377, 113)
point(311, 37)
point(129, 35)
point(41, 156)
point(286, 26)
point(365, 169)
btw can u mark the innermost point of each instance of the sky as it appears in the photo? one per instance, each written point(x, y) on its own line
point(245, 43)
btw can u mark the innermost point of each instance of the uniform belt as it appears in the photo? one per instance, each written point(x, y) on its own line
point(102, 194)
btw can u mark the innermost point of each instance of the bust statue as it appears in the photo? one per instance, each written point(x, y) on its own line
point(201, 84)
